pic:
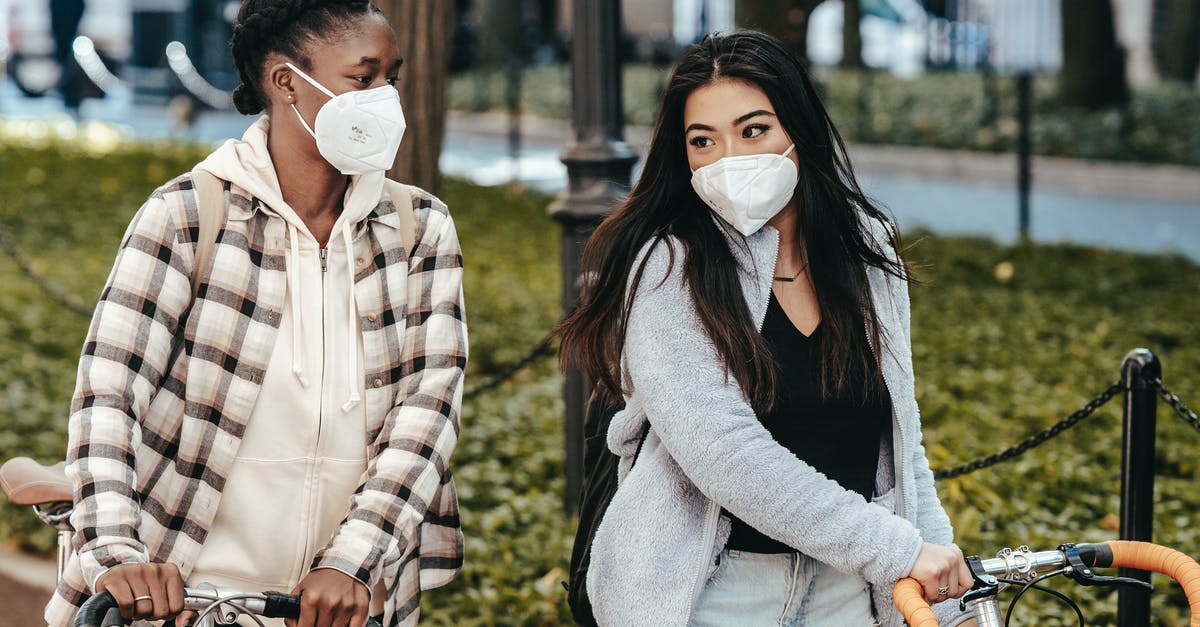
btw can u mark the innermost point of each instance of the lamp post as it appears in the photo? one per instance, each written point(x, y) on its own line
point(598, 163)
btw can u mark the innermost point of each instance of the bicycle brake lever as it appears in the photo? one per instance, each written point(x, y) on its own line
point(1083, 574)
point(985, 585)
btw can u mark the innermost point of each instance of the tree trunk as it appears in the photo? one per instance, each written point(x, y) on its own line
point(1093, 71)
point(1179, 52)
point(423, 30)
point(785, 19)
point(851, 36)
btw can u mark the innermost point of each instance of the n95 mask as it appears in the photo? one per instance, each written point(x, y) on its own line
point(358, 131)
point(747, 190)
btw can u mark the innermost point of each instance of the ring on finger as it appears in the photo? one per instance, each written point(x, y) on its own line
point(144, 597)
point(943, 591)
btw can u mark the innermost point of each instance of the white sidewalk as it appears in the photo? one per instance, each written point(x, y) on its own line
point(31, 571)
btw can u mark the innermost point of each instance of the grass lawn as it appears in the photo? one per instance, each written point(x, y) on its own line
point(996, 360)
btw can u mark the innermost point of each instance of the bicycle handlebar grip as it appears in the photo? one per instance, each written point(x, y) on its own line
point(288, 606)
point(909, 597)
point(99, 611)
point(281, 605)
point(1165, 560)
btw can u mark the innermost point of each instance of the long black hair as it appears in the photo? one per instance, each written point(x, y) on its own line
point(285, 27)
point(833, 216)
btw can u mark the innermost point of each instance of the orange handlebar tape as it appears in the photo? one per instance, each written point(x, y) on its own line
point(909, 598)
point(1165, 560)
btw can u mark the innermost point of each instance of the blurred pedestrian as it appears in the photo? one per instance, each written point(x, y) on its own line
point(65, 16)
point(283, 418)
point(749, 303)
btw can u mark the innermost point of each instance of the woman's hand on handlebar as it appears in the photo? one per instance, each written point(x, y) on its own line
point(144, 591)
point(942, 572)
point(331, 598)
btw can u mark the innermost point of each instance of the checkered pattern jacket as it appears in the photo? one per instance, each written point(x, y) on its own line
point(164, 393)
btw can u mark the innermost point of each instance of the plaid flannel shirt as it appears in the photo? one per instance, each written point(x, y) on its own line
point(163, 394)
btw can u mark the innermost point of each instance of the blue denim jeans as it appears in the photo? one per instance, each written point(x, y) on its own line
point(781, 589)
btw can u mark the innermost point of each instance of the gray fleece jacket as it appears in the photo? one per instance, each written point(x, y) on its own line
point(706, 450)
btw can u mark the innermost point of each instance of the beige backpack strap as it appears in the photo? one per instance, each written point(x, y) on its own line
point(210, 203)
point(402, 197)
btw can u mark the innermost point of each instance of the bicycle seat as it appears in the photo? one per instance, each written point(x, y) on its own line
point(26, 482)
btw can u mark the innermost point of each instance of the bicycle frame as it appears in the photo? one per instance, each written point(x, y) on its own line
point(1074, 561)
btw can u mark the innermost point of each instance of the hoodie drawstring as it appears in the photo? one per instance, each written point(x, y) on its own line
point(299, 356)
point(293, 271)
point(351, 322)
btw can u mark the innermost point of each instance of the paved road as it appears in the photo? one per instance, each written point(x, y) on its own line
point(22, 602)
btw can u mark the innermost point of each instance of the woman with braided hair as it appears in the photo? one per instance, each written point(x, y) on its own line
point(281, 416)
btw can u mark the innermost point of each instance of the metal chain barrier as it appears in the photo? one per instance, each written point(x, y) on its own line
point(1184, 412)
point(1034, 440)
point(543, 348)
point(8, 246)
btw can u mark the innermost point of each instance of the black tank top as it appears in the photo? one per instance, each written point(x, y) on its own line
point(838, 436)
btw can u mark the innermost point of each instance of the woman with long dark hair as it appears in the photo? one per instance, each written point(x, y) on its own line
point(749, 303)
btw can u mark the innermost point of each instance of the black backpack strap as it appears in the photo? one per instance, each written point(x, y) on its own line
point(599, 486)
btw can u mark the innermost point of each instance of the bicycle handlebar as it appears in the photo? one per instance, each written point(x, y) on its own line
point(101, 609)
point(98, 611)
point(909, 595)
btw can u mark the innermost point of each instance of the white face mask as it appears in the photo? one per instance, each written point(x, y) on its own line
point(747, 190)
point(358, 131)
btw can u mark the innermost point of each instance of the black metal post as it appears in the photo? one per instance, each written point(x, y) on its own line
point(1024, 148)
point(866, 117)
point(1137, 476)
point(598, 167)
point(511, 32)
point(991, 95)
point(513, 71)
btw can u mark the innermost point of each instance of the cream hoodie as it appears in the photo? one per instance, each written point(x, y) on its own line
point(304, 450)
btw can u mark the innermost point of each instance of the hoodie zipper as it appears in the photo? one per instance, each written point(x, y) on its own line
point(314, 470)
point(714, 512)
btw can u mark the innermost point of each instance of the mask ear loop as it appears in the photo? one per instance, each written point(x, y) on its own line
point(314, 84)
point(302, 122)
point(310, 80)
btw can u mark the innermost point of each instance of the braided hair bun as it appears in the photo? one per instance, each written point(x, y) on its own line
point(284, 27)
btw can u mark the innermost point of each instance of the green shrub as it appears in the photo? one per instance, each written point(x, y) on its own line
point(66, 204)
point(996, 360)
